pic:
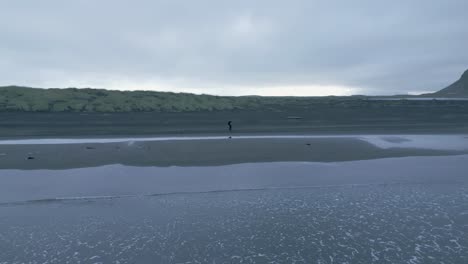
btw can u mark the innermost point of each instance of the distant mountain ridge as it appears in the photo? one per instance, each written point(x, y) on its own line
point(457, 89)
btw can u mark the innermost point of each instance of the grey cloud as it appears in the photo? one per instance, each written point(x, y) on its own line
point(381, 47)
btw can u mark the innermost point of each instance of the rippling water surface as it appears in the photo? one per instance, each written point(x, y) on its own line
point(407, 223)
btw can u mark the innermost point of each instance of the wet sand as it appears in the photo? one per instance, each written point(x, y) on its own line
point(212, 152)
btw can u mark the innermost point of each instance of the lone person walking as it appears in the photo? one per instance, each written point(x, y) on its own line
point(230, 126)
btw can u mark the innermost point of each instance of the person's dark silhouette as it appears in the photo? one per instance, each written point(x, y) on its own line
point(230, 126)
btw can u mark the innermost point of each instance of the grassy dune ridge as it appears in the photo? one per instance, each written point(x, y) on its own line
point(14, 98)
point(26, 99)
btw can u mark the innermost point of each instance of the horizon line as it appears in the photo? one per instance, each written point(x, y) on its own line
point(207, 94)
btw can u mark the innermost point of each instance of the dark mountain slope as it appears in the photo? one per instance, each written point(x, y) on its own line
point(457, 89)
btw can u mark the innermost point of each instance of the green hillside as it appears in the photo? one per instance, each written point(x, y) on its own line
point(26, 99)
point(14, 98)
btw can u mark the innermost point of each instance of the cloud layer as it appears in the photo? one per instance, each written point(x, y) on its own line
point(295, 47)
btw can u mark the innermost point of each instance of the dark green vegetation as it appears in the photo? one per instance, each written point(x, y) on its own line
point(15, 98)
point(457, 89)
point(25, 99)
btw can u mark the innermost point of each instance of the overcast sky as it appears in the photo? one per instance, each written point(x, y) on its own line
point(266, 47)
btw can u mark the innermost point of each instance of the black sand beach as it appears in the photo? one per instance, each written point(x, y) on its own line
point(408, 117)
point(212, 152)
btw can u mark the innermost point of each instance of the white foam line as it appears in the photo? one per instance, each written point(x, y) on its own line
point(109, 197)
point(96, 197)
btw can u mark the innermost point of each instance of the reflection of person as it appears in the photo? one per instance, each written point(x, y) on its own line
point(230, 126)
